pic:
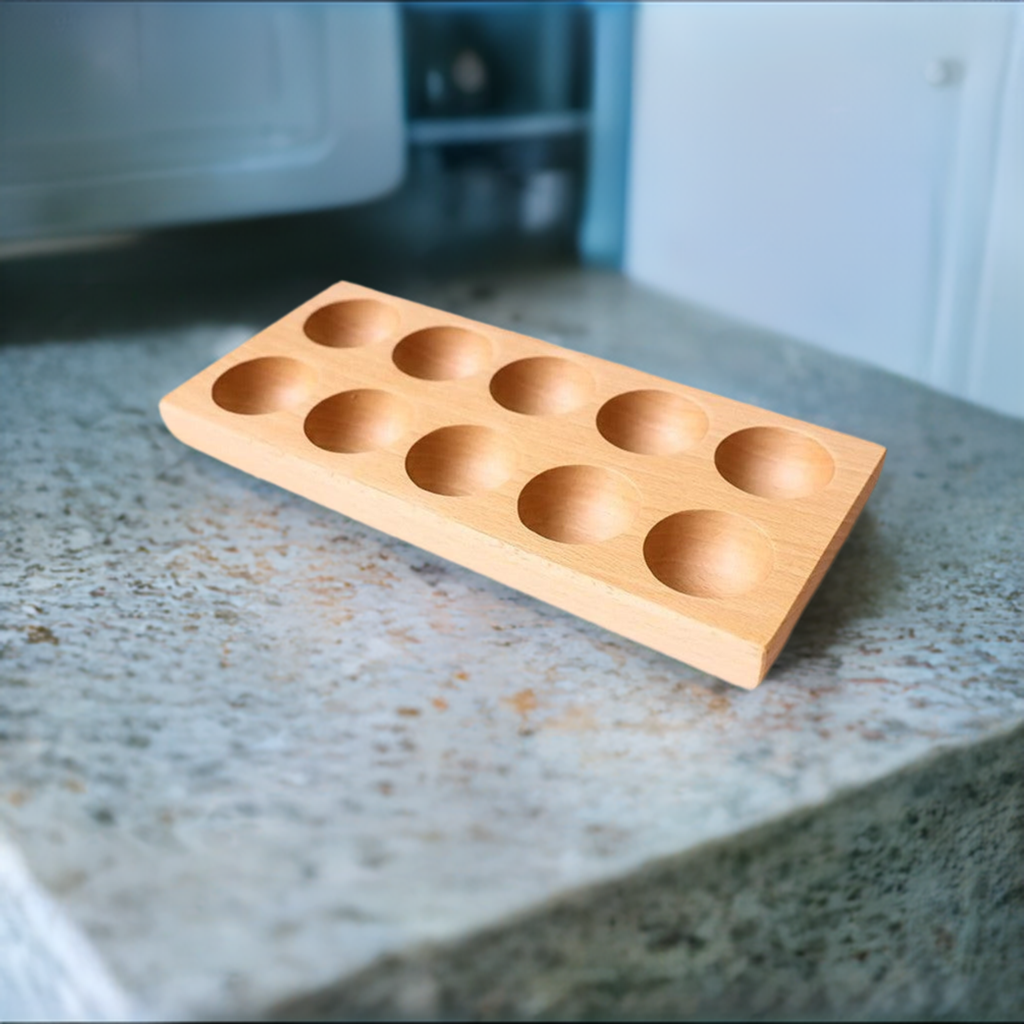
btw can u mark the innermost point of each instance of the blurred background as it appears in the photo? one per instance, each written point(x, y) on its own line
point(850, 175)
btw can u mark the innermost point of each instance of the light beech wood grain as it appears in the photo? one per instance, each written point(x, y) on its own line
point(686, 521)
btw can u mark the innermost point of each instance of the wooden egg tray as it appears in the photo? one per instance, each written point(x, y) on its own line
point(688, 522)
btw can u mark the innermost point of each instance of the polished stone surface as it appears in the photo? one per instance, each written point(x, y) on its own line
point(252, 747)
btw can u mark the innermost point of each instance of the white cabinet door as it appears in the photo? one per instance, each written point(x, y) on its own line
point(823, 169)
point(996, 375)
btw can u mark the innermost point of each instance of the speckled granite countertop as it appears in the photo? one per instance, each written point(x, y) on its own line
point(272, 762)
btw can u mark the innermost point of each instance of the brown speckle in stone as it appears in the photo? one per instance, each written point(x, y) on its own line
point(718, 704)
point(523, 702)
point(575, 718)
point(40, 635)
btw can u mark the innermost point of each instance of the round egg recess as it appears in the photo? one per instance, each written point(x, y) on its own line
point(442, 353)
point(351, 323)
point(774, 462)
point(460, 460)
point(263, 385)
point(708, 553)
point(578, 504)
point(650, 422)
point(542, 386)
point(361, 420)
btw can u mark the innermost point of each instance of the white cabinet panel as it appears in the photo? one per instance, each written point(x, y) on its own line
point(996, 375)
point(823, 170)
